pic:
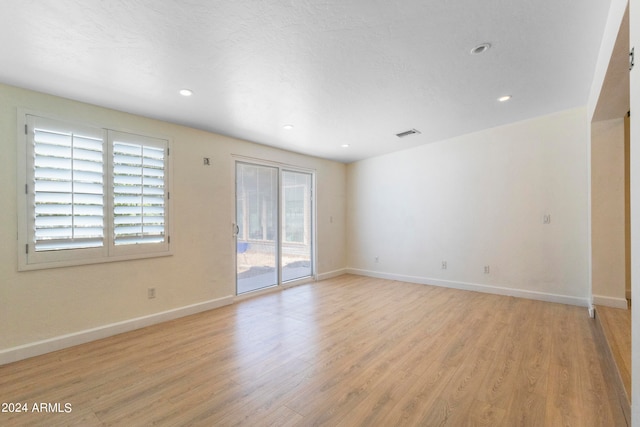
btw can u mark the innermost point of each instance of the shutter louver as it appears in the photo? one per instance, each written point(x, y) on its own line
point(68, 189)
point(138, 193)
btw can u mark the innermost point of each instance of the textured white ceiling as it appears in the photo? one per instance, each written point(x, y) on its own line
point(341, 71)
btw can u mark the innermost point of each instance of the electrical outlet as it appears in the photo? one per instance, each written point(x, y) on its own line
point(546, 219)
point(486, 269)
point(444, 265)
point(376, 260)
point(151, 293)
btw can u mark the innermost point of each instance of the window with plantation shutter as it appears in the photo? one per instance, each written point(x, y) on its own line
point(64, 190)
point(90, 194)
point(139, 189)
point(68, 189)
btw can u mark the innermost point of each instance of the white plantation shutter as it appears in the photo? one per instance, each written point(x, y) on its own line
point(67, 186)
point(90, 194)
point(139, 189)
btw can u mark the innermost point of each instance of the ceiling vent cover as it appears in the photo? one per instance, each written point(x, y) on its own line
point(408, 133)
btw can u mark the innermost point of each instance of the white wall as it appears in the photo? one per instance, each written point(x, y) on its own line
point(38, 309)
point(608, 213)
point(479, 200)
point(614, 19)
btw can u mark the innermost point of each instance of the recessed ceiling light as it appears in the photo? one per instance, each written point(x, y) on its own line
point(481, 48)
point(185, 92)
point(287, 127)
point(345, 146)
point(504, 98)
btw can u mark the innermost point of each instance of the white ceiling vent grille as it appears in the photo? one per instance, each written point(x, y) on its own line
point(408, 133)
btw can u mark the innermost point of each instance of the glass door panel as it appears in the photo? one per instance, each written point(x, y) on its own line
point(256, 227)
point(296, 225)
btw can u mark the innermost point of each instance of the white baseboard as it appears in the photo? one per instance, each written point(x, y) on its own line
point(332, 274)
point(610, 301)
point(520, 293)
point(37, 348)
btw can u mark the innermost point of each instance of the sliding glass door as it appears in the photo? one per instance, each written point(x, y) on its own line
point(274, 226)
point(296, 225)
point(256, 227)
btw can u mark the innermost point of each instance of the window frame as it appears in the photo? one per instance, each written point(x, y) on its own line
point(28, 257)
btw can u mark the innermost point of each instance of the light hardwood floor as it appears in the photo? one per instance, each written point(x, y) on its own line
point(348, 351)
point(615, 325)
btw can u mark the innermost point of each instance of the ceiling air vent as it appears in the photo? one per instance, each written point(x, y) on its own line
point(408, 133)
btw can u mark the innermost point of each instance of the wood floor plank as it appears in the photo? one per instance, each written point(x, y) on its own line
point(616, 324)
point(454, 403)
point(563, 403)
point(526, 408)
point(527, 404)
point(413, 407)
point(82, 417)
point(592, 388)
point(380, 400)
point(503, 375)
point(484, 414)
point(346, 351)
